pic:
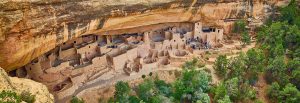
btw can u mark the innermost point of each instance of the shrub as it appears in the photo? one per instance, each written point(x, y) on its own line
point(122, 92)
point(9, 97)
point(143, 76)
point(239, 26)
point(76, 100)
point(221, 65)
point(273, 91)
point(150, 74)
point(246, 39)
point(289, 94)
point(27, 97)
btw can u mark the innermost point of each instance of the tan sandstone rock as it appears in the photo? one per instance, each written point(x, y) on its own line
point(20, 85)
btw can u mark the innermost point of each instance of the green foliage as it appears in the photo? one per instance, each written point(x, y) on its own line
point(246, 39)
point(296, 78)
point(163, 88)
point(280, 42)
point(289, 94)
point(193, 64)
point(122, 92)
point(239, 26)
point(276, 71)
point(237, 66)
point(150, 74)
point(290, 13)
point(76, 100)
point(200, 97)
point(273, 91)
point(179, 89)
point(225, 99)
point(221, 66)
point(278, 37)
point(143, 76)
point(134, 99)
point(9, 97)
point(27, 97)
point(146, 90)
point(232, 86)
point(220, 92)
point(254, 64)
point(191, 83)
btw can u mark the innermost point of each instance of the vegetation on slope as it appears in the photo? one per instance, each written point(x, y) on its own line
point(13, 97)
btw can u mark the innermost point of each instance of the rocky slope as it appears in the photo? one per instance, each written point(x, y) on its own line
point(20, 85)
point(30, 28)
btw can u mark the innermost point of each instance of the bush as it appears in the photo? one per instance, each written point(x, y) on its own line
point(122, 92)
point(146, 90)
point(246, 39)
point(273, 91)
point(289, 94)
point(239, 26)
point(150, 74)
point(9, 97)
point(76, 100)
point(143, 76)
point(221, 65)
point(27, 97)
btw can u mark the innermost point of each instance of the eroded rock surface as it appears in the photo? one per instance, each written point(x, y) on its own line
point(20, 85)
point(31, 28)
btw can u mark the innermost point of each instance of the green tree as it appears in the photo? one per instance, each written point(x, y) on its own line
point(76, 100)
point(290, 12)
point(239, 26)
point(221, 66)
point(200, 97)
point(225, 99)
point(122, 92)
point(276, 71)
point(273, 91)
point(191, 83)
point(184, 85)
point(134, 99)
point(296, 78)
point(146, 90)
point(220, 92)
point(163, 88)
point(254, 63)
point(237, 66)
point(289, 94)
point(201, 81)
point(232, 86)
point(293, 68)
point(246, 39)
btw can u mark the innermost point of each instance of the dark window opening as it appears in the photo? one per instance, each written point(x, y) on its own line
point(207, 29)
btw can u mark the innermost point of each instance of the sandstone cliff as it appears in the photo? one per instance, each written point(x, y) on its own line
point(20, 85)
point(30, 28)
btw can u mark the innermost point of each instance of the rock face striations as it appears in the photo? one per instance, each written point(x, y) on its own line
point(20, 85)
point(31, 28)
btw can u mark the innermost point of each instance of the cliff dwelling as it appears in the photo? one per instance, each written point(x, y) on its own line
point(82, 59)
point(73, 47)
